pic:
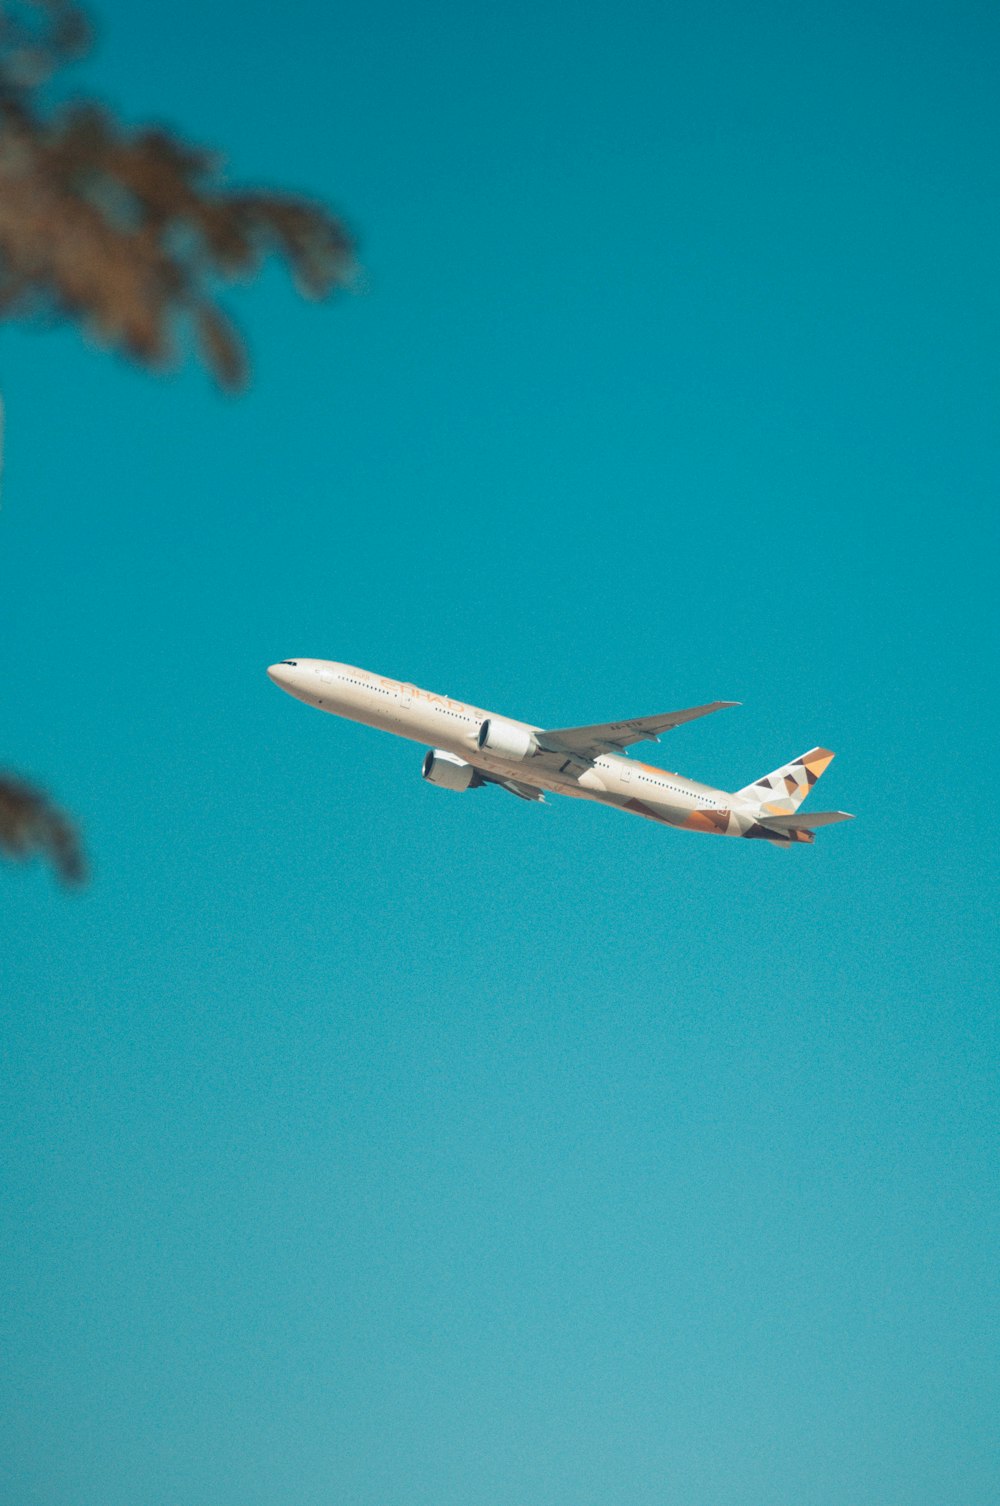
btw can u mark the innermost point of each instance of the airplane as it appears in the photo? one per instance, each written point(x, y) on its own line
point(472, 747)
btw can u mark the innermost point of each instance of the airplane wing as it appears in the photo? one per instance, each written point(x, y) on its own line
point(515, 786)
point(612, 737)
point(804, 820)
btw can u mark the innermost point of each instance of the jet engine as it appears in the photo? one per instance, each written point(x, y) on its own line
point(448, 771)
point(506, 739)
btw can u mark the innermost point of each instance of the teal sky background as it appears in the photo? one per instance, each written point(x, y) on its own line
point(370, 1146)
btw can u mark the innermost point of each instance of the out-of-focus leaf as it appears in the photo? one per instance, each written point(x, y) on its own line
point(132, 233)
point(31, 826)
point(221, 348)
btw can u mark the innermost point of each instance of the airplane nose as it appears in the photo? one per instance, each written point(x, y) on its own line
point(283, 674)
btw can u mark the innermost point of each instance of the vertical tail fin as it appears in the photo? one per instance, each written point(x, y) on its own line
point(783, 792)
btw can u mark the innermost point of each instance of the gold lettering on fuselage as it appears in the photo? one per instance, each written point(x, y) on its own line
point(417, 694)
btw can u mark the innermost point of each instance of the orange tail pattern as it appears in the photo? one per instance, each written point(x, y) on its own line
point(781, 793)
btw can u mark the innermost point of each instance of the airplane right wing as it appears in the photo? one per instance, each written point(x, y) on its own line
point(614, 737)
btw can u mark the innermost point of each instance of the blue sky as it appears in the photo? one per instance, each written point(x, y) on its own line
point(366, 1145)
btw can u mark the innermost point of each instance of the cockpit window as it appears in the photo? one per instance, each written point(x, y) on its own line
point(293, 662)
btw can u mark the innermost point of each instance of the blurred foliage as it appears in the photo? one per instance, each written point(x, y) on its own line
point(130, 234)
point(30, 826)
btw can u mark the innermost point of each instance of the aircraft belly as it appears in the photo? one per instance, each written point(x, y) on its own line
point(360, 709)
point(376, 717)
point(651, 810)
point(712, 820)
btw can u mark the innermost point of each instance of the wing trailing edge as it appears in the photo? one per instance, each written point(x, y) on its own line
point(614, 737)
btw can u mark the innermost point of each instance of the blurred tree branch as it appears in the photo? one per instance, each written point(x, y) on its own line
point(129, 234)
point(30, 826)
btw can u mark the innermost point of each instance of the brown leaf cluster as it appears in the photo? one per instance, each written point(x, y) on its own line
point(30, 826)
point(131, 233)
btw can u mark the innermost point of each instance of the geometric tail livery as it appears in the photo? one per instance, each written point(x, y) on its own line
point(782, 792)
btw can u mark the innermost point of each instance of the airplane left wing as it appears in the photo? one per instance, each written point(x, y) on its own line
point(613, 737)
point(515, 786)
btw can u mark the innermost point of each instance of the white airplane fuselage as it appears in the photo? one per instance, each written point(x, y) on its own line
point(454, 727)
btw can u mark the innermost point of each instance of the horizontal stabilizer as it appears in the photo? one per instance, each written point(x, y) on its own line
point(804, 820)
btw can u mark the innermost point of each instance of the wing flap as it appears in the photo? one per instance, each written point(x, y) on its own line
point(514, 786)
point(612, 737)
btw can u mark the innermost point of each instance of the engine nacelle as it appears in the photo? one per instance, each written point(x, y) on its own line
point(448, 771)
point(506, 740)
